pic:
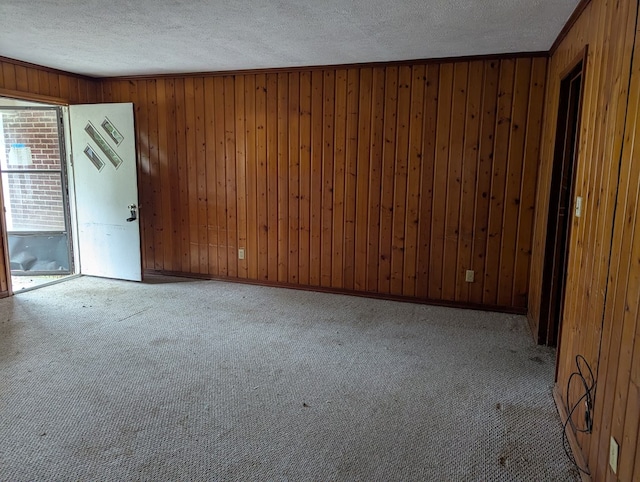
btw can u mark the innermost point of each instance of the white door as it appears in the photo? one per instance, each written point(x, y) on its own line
point(106, 190)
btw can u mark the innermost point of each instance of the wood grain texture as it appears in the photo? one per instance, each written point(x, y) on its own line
point(390, 180)
point(29, 82)
point(602, 300)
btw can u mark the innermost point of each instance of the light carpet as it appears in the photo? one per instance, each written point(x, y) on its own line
point(177, 379)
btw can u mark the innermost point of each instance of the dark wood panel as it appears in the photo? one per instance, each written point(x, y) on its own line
point(602, 297)
point(391, 180)
point(29, 82)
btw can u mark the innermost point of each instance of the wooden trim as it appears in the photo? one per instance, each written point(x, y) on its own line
point(4, 294)
point(276, 70)
point(28, 96)
point(29, 65)
point(581, 56)
point(339, 291)
point(569, 25)
point(4, 247)
point(573, 441)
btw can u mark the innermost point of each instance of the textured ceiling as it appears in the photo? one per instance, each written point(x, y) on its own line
point(128, 37)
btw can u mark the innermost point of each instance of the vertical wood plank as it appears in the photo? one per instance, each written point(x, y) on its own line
point(412, 215)
point(466, 231)
point(316, 175)
point(231, 190)
point(326, 233)
point(363, 175)
point(261, 176)
point(294, 175)
point(351, 166)
point(252, 254)
point(375, 181)
point(498, 179)
point(426, 178)
point(221, 176)
point(440, 173)
point(241, 170)
point(283, 177)
point(211, 149)
point(388, 168)
point(337, 267)
point(305, 177)
point(272, 175)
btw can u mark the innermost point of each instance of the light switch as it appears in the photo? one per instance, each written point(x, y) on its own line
point(578, 206)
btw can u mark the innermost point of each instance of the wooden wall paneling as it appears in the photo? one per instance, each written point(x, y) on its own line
point(451, 269)
point(54, 85)
point(172, 255)
point(326, 231)
point(339, 175)
point(603, 289)
point(512, 195)
point(400, 180)
point(620, 311)
point(22, 81)
point(33, 81)
point(252, 254)
point(163, 224)
point(9, 76)
point(412, 212)
point(211, 150)
point(317, 122)
point(182, 262)
point(43, 84)
point(440, 173)
point(527, 189)
point(241, 171)
point(192, 174)
point(261, 176)
point(375, 177)
point(350, 186)
point(294, 176)
point(619, 399)
point(144, 173)
point(496, 200)
point(202, 240)
point(428, 156)
point(305, 177)
point(272, 176)
point(231, 179)
point(466, 230)
point(220, 167)
point(362, 180)
point(283, 177)
point(615, 104)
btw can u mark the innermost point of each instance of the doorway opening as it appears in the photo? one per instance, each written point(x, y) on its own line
point(560, 204)
point(35, 194)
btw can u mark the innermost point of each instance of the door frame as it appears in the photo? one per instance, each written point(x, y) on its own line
point(68, 193)
point(556, 252)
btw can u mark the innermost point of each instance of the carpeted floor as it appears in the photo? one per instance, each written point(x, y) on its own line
point(201, 380)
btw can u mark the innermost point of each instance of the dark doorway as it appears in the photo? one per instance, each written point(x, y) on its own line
point(560, 204)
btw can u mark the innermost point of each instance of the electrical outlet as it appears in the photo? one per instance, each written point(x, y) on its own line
point(613, 455)
point(469, 276)
point(241, 253)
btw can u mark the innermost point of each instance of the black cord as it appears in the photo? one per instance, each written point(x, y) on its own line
point(588, 386)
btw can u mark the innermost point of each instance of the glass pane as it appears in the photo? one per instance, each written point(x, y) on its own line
point(33, 201)
point(29, 139)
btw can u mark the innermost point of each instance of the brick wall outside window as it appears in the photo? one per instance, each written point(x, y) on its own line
point(34, 199)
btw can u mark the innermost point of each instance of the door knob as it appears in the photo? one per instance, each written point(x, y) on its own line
point(134, 213)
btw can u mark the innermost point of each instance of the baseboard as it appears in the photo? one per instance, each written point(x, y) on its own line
point(573, 441)
point(365, 294)
point(4, 294)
